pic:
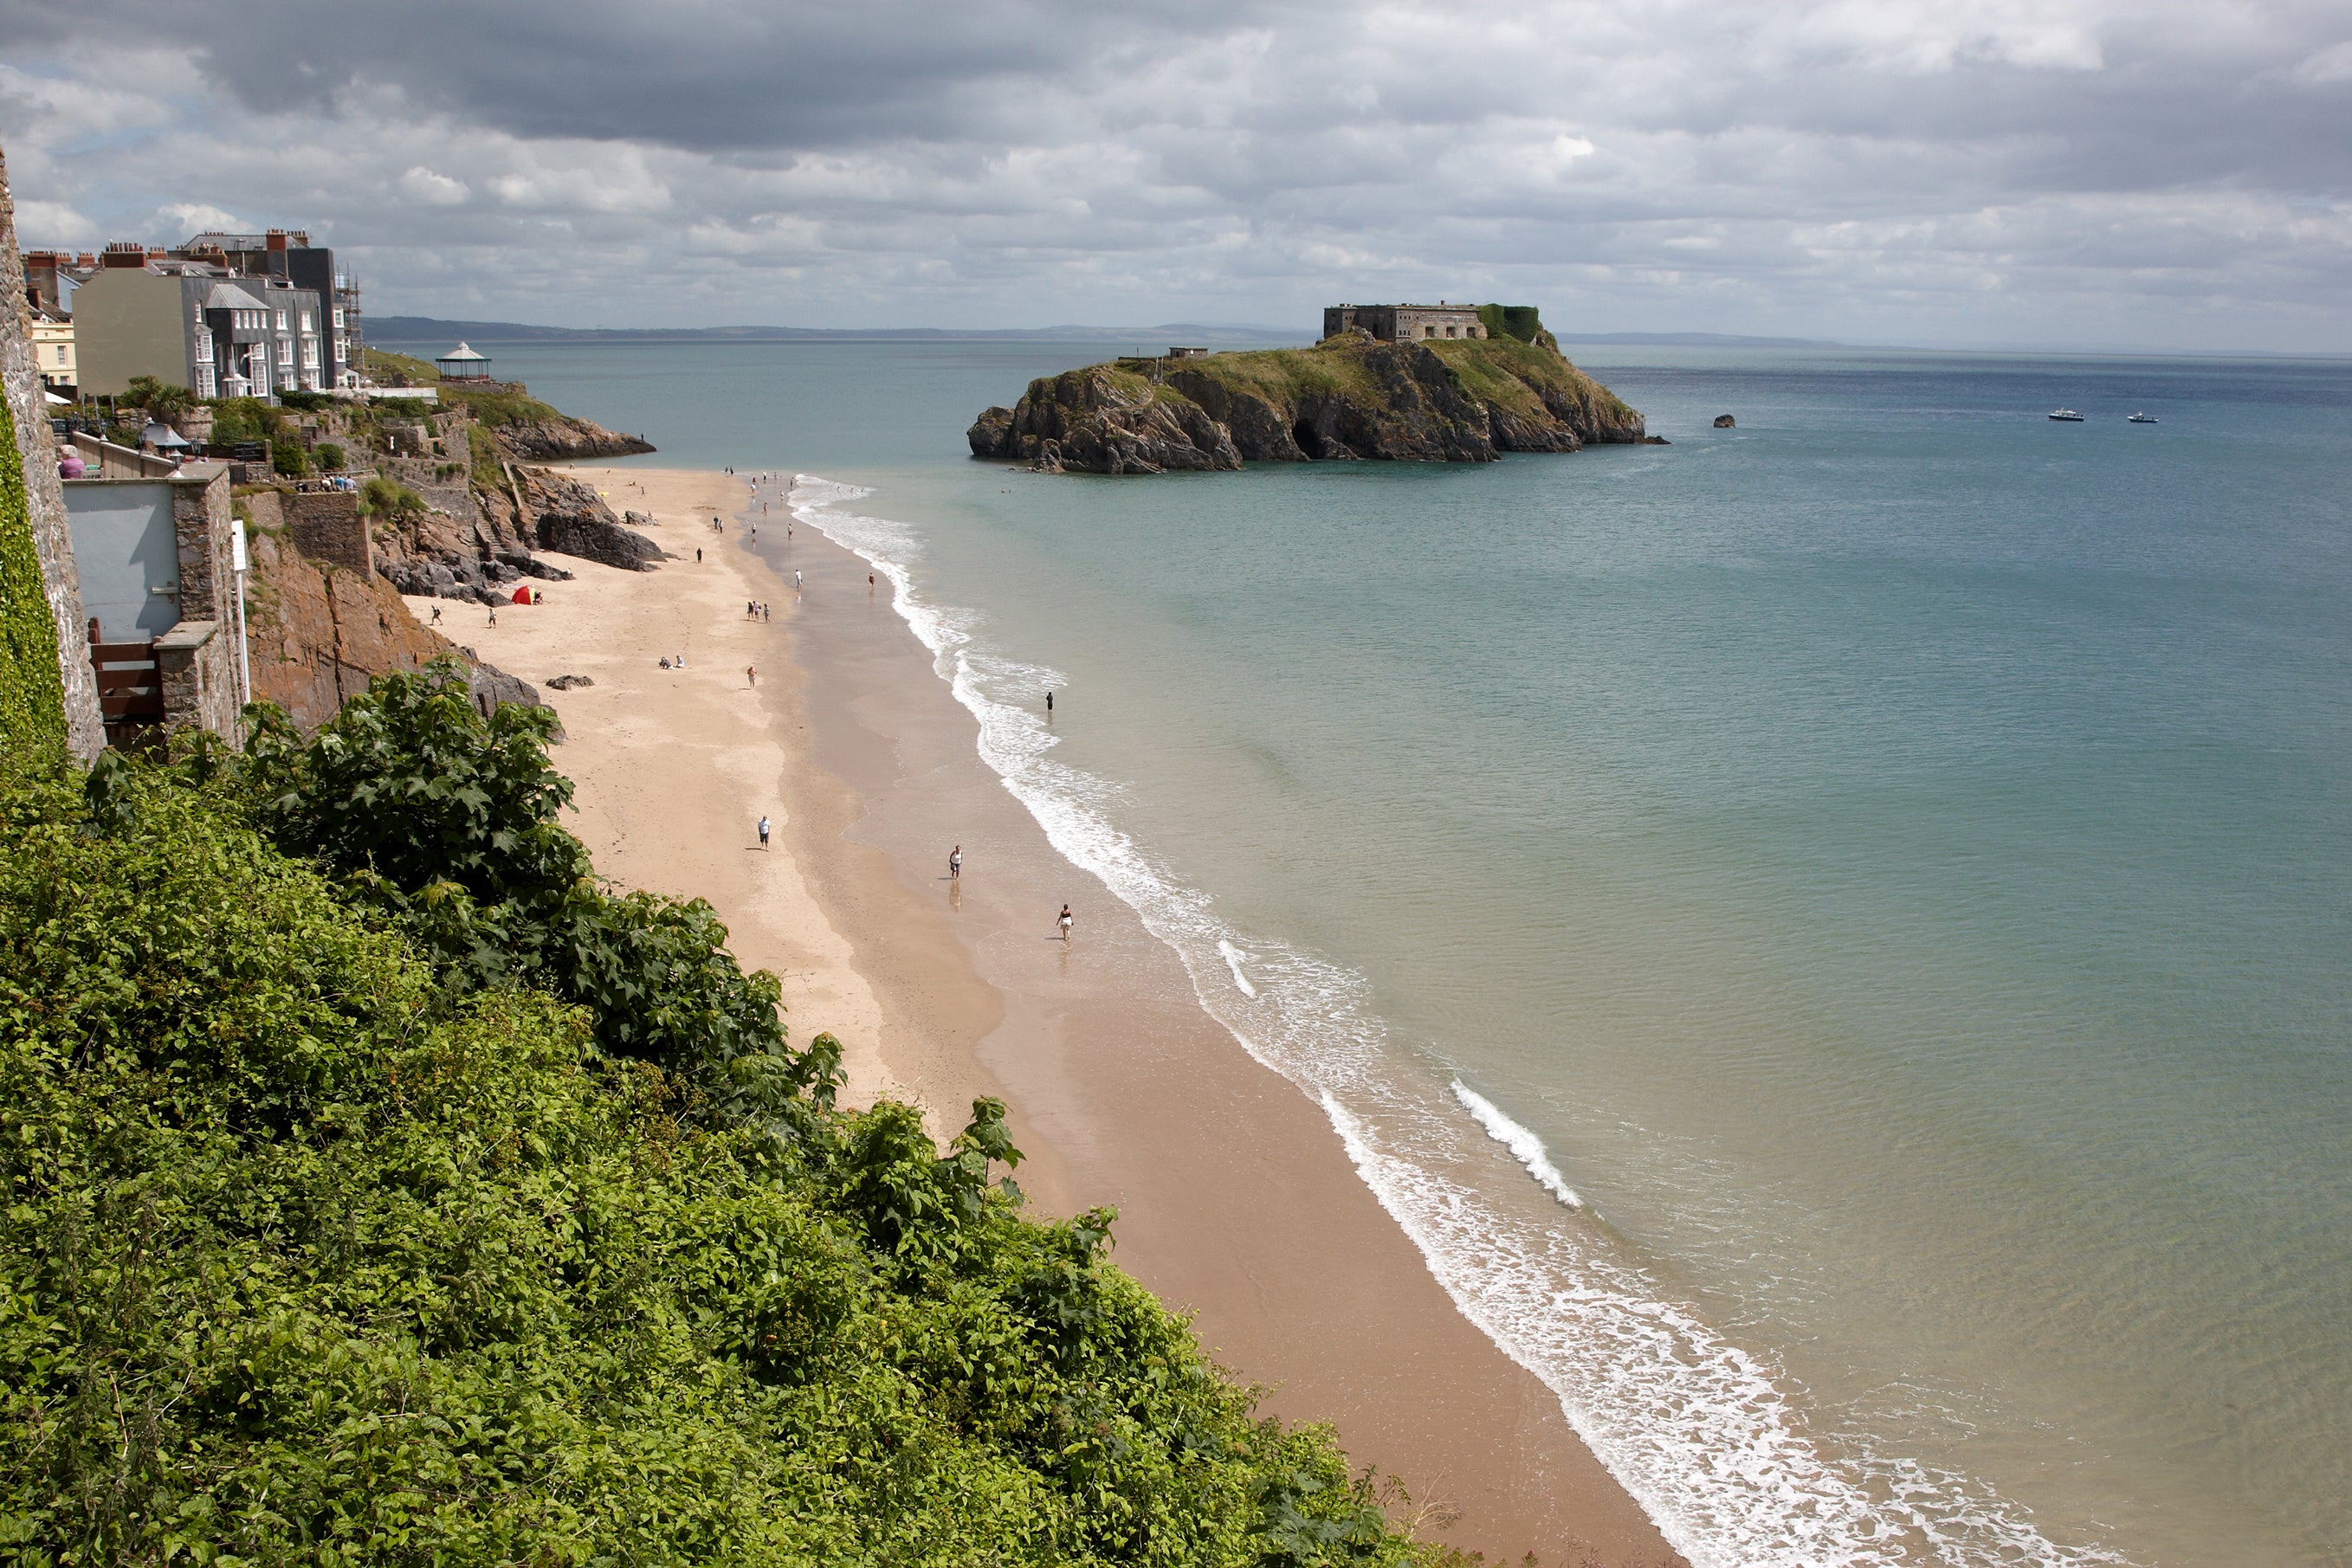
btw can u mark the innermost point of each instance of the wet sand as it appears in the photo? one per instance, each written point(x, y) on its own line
point(1237, 1199)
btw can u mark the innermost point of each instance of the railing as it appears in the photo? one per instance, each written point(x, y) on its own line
point(130, 684)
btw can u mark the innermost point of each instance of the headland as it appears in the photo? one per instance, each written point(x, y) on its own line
point(1354, 395)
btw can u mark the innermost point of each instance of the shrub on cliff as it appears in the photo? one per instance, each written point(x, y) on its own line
point(321, 1246)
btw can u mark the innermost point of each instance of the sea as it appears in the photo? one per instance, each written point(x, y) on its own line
point(1829, 935)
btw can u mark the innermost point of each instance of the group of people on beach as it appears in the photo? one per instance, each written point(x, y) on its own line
point(756, 610)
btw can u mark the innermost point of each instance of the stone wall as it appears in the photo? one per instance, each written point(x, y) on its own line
point(328, 528)
point(198, 662)
point(204, 527)
point(1405, 323)
point(44, 512)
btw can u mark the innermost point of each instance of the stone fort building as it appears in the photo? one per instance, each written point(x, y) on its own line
point(1395, 323)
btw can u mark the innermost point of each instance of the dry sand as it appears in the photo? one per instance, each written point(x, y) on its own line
point(1237, 1201)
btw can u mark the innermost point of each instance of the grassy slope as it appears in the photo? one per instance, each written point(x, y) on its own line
point(1502, 371)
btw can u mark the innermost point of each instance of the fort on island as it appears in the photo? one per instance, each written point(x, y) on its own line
point(1405, 323)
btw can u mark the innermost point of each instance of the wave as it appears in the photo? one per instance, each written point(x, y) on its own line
point(1696, 1429)
point(1524, 1147)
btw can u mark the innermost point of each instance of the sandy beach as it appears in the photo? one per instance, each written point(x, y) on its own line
point(1237, 1199)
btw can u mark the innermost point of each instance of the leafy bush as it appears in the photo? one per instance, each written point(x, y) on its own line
point(306, 1262)
point(160, 399)
point(288, 459)
point(389, 499)
point(245, 419)
point(329, 457)
point(307, 402)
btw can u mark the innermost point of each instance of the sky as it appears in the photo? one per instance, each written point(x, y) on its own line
point(2127, 174)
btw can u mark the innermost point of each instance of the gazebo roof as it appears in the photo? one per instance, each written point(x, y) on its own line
point(463, 354)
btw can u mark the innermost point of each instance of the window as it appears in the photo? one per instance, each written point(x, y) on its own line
point(286, 352)
point(204, 382)
point(339, 317)
point(281, 320)
point(307, 326)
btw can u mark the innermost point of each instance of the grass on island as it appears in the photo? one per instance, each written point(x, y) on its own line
point(384, 1188)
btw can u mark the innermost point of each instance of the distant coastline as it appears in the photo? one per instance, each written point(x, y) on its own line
point(433, 330)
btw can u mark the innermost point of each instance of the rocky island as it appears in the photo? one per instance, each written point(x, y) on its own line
point(1371, 389)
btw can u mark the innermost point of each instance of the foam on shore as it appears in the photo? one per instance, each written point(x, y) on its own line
point(1698, 1429)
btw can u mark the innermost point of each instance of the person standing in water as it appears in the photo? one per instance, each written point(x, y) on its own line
point(1049, 704)
point(1064, 923)
point(955, 863)
point(797, 579)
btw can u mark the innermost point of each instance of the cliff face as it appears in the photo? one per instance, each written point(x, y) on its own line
point(1457, 402)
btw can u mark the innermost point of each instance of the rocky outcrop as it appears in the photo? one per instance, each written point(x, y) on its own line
point(565, 439)
point(569, 517)
point(1104, 420)
point(1349, 398)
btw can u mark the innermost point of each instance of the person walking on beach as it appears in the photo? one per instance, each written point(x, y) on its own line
point(437, 615)
point(1064, 923)
point(763, 832)
point(797, 579)
point(494, 615)
point(752, 674)
point(697, 553)
point(955, 863)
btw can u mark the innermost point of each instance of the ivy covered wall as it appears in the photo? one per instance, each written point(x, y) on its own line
point(32, 695)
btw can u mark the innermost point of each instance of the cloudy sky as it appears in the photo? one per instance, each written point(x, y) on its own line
point(2128, 173)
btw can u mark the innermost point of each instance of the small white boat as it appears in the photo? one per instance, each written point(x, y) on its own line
point(2141, 419)
point(2066, 414)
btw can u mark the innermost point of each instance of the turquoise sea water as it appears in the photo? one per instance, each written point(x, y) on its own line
point(1883, 867)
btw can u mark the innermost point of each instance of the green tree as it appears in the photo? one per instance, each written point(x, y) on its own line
point(302, 1263)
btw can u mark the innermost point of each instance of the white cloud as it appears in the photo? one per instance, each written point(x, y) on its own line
point(53, 226)
point(434, 189)
point(177, 221)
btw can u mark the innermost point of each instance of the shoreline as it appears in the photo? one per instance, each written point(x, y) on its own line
point(1238, 1202)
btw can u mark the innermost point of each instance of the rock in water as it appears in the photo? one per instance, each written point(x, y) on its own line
point(1725, 421)
point(1462, 401)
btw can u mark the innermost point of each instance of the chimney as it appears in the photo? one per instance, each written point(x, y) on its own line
point(125, 252)
point(276, 240)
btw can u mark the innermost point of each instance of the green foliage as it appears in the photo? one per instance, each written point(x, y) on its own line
point(160, 399)
point(389, 499)
point(302, 1263)
point(388, 369)
point(498, 408)
point(243, 419)
point(287, 458)
point(1523, 322)
point(329, 457)
point(404, 407)
point(447, 820)
point(308, 401)
point(489, 471)
point(32, 687)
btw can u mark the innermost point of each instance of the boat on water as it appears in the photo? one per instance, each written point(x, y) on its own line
point(2067, 416)
point(2141, 419)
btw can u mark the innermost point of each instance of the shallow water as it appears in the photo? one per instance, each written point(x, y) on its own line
point(1831, 933)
